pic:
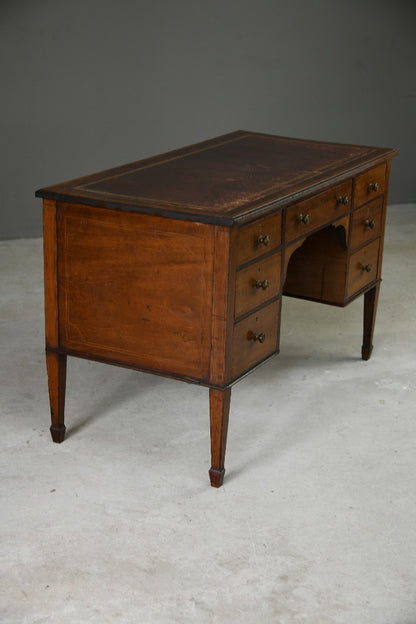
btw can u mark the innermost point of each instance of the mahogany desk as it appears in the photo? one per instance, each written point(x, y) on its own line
point(176, 264)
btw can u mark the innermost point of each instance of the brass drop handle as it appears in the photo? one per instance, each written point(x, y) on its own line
point(263, 240)
point(262, 284)
point(369, 224)
point(343, 200)
point(373, 187)
point(303, 218)
point(257, 337)
point(367, 267)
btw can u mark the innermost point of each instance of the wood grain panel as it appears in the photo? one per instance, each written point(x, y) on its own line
point(223, 290)
point(136, 289)
point(318, 268)
point(50, 255)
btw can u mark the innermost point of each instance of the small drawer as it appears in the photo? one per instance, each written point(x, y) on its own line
point(255, 338)
point(362, 267)
point(257, 283)
point(259, 237)
point(370, 184)
point(312, 213)
point(366, 222)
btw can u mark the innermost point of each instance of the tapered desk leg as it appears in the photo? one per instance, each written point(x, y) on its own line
point(370, 310)
point(56, 366)
point(219, 404)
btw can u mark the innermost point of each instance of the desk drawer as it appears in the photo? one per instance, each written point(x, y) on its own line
point(259, 237)
point(366, 222)
point(363, 267)
point(257, 283)
point(370, 184)
point(255, 338)
point(318, 210)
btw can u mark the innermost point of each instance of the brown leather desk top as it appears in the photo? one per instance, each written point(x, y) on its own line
point(227, 179)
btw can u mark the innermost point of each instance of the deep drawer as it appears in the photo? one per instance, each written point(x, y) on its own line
point(312, 213)
point(257, 283)
point(362, 267)
point(255, 338)
point(370, 184)
point(366, 222)
point(259, 237)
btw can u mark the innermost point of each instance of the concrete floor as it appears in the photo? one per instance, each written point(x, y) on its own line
point(316, 522)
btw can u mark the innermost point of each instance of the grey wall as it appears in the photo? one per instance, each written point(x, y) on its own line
point(89, 84)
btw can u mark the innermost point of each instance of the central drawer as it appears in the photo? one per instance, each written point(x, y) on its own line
point(255, 338)
point(310, 214)
point(257, 283)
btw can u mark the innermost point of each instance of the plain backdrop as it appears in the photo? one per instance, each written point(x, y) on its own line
point(91, 84)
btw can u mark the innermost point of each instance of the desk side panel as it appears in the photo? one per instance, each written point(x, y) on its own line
point(136, 289)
